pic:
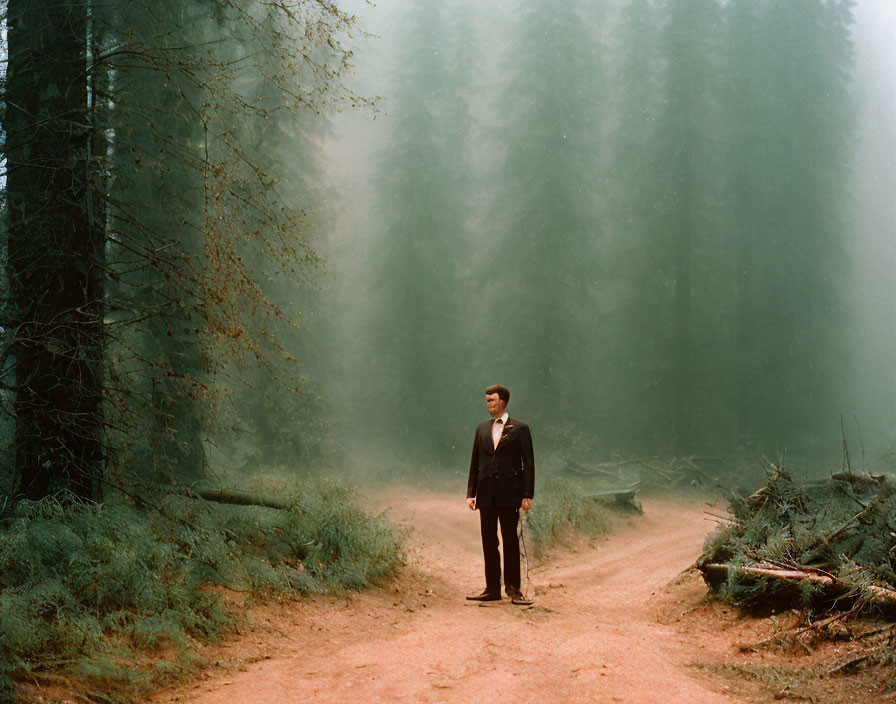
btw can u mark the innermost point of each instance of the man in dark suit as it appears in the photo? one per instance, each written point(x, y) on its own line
point(502, 481)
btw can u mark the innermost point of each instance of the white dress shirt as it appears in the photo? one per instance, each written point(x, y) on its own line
point(498, 428)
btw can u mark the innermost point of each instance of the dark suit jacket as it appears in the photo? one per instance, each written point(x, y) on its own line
point(505, 475)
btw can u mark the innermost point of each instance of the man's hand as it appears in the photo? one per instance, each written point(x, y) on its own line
point(471, 504)
point(526, 505)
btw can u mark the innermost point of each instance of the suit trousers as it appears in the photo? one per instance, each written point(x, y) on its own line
point(508, 517)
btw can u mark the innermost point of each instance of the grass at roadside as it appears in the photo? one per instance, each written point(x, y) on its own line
point(561, 512)
point(115, 598)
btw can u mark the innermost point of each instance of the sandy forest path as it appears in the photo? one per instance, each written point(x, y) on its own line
point(604, 628)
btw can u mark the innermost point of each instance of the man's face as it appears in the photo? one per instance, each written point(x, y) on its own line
point(495, 405)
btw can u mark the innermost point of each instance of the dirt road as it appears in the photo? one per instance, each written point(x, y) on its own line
point(603, 629)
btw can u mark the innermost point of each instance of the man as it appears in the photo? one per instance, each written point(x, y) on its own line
point(502, 480)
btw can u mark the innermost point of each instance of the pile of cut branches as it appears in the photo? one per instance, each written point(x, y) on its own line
point(829, 544)
point(827, 548)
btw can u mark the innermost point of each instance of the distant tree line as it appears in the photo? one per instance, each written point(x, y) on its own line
point(636, 222)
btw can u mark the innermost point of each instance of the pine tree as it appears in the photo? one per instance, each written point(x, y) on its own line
point(133, 201)
point(160, 188)
point(637, 307)
point(413, 338)
point(543, 244)
point(790, 120)
point(687, 167)
point(54, 259)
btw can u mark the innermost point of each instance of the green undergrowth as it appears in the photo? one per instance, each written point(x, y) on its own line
point(116, 598)
point(562, 510)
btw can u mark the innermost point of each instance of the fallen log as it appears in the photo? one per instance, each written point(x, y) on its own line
point(612, 469)
point(577, 468)
point(817, 577)
point(623, 497)
point(872, 479)
point(716, 573)
point(231, 496)
point(241, 498)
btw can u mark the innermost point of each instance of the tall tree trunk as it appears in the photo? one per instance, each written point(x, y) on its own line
point(97, 211)
point(54, 259)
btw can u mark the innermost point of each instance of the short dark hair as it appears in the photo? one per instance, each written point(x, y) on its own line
point(502, 391)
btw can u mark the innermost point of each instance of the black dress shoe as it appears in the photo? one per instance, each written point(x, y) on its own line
point(516, 597)
point(486, 595)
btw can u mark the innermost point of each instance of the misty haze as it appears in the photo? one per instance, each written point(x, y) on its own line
point(262, 261)
point(668, 224)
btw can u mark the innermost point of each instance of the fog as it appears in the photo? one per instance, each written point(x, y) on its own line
point(873, 228)
point(667, 227)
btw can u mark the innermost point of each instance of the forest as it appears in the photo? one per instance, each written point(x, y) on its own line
point(255, 253)
point(668, 187)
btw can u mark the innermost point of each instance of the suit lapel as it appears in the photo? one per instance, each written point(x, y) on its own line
point(487, 439)
point(504, 434)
